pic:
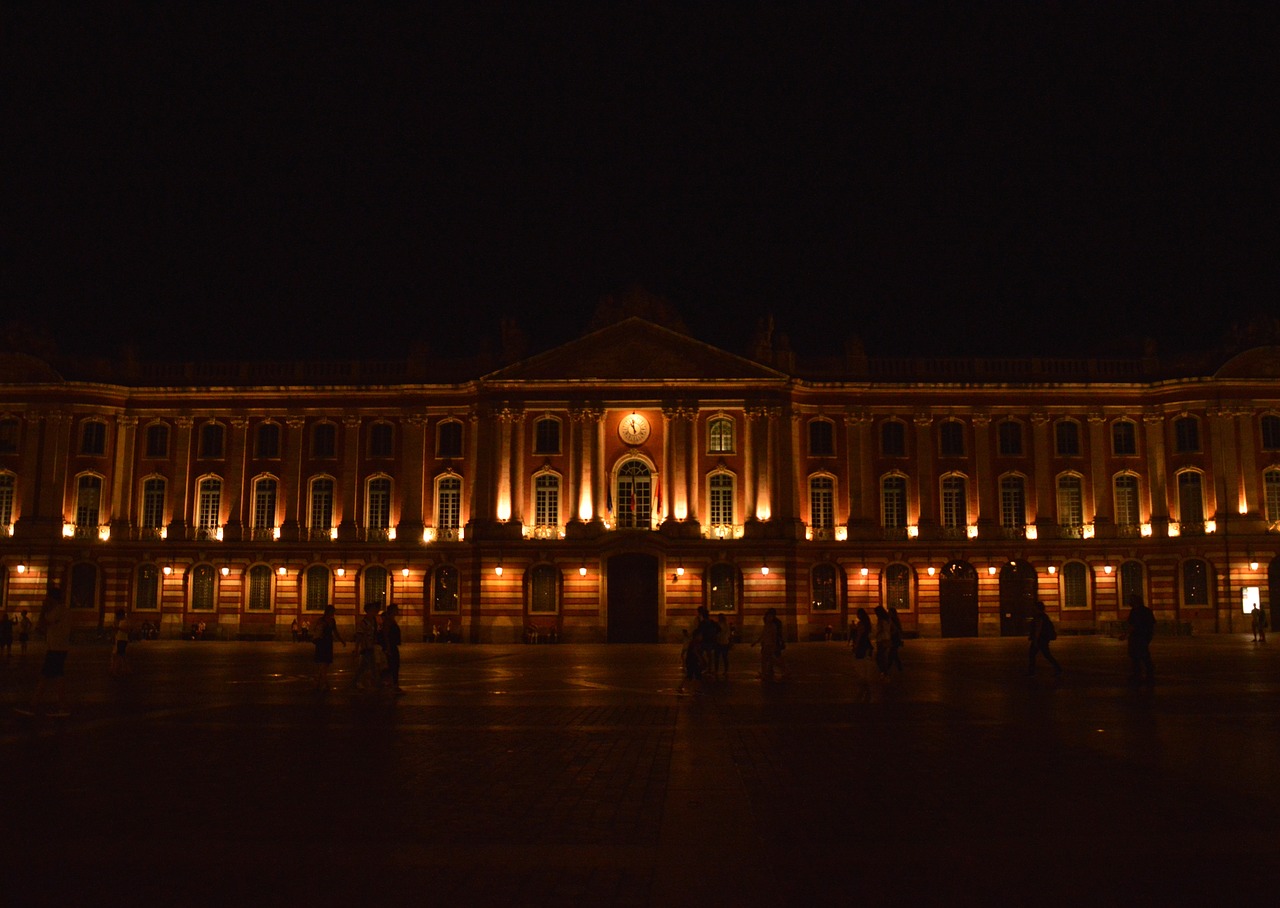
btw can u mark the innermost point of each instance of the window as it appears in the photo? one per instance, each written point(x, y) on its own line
point(208, 507)
point(268, 441)
point(822, 502)
point(1070, 502)
point(259, 588)
point(722, 587)
point(317, 588)
point(146, 592)
point(955, 508)
point(720, 435)
point(321, 510)
point(1066, 436)
point(1186, 435)
point(203, 588)
point(88, 495)
point(93, 437)
point(6, 501)
point(1075, 585)
point(157, 444)
point(375, 585)
point(1013, 502)
point(1271, 487)
point(546, 500)
point(546, 436)
point(893, 502)
point(324, 441)
point(449, 439)
point(378, 503)
point(1131, 581)
point(264, 504)
point(1195, 582)
point(893, 439)
point(721, 499)
point(1126, 497)
point(1271, 432)
point(448, 503)
point(1124, 438)
point(8, 436)
point(544, 583)
point(211, 440)
point(444, 596)
point(951, 438)
point(1009, 438)
point(1190, 502)
point(382, 440)
point(153, 493)
point(822, 438)
point(897, 587)
point(634, 488)
point(824, 588)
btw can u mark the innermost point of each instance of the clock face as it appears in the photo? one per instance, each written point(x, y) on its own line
point(633, 429)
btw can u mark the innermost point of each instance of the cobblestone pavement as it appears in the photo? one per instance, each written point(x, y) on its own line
point(574, 775)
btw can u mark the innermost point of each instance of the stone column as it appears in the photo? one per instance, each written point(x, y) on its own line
point(1154, 424)
point(593, 429)
point(237, 457)
point(1098, 498)
point(1224, 482)
point(1245, 419)
point(348, 497)
point(412, 473)
point(294, 491)
point(674, 461)
point(861, 483)
point(518, 501)
point(692, 474)
point(750, 481)
point(1045, 505)
point(926, 482)
point(122, 496)
point(504, 505)
point(34, 518)
point(479, 476)
point(985, 484)
point(180, 500)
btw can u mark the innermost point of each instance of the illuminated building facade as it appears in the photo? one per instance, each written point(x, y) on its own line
point(605, 489)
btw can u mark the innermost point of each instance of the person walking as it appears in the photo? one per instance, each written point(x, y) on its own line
point(895, 638)
point(884, 640)
point(6, 633)
point(860, 641)
point(391, 645)
point(120, 643)
point(1141, 629)
point(55, 623)
point(24, 632)
point(366, 640)
point(323, 634)
point(1259, 624)
point(1040, 635)
point(694, 652)
point(768, 640)
point(723, 644)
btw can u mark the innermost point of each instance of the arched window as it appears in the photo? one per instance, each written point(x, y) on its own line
point(260, 585)
point(951, 438)
point(151, 514)
point(1195, 582)
point(897, 587)
point(378, 505)
point(267, 441)
point(1066, 434)
point(823, 583)
point(1131, 581)
point(544, 590)
point(449, 439)
point(1009, 438)
point(324, 441)
point(1124, 438)
point(1013, 503)
point(546, 501)
point(720, 435)
point(546, 436)
point(448, 507)
point(382, 439)
point(88, 500)
point(822, 494)
point(444, 591)
point(317, 588)
point(204, 582)
point(822, 438)
point(1070, 504)
point(893, 502)
point(955, 505)
point(1270, 432)
point(320, 511)
point(1186, 435)
point(721, 499)
point(633, 504)
point(208, 507)
point(1128, 511)
point(893, 438)
point(1190, 503)
point(722, 587)
point(7, 486)
point(376, 589)
point(1075, 585)
point(146, 590)
point(265, 490)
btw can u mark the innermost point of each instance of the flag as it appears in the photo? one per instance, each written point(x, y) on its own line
point(657, 497)
point(608, 498)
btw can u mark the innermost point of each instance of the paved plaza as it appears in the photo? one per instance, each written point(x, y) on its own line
point(574, 775)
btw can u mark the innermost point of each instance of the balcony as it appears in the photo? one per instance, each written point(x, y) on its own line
point(263, 534)
point(319, 534)
point(151, 534)
point(1193, 528)
point(207, 534)
point(1014, 532)
point(822, 534)
point(894, 534)
point(446, 534)
point(377, 534)
point(1067, 531)
point(1129, 530)
point(545, 531)
point(723, 531)
point(955, 532)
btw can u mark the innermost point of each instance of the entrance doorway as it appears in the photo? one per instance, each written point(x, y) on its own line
point(958, 599)
point(632, 608)
point(1018, 589)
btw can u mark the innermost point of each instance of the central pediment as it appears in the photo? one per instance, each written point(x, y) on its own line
point(635, 350)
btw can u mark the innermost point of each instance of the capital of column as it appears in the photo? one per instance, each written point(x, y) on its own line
point(350, 421)
point(922, 419)
point(1039, 418)
point(239, 422)
point(1096, 417)
point(295, 422)
point(981, 419)
point(126, 422)
point(1152, 417)
point(185, 422)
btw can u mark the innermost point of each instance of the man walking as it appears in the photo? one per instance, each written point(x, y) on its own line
point(56, 625)
point(1142, 628)
point(1041, 635)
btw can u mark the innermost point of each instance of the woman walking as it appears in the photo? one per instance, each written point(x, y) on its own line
point(323, 633)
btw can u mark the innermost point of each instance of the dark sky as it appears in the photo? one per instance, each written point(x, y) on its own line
point(975, 178)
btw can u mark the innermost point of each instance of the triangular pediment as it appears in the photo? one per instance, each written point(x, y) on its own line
point(635, 350)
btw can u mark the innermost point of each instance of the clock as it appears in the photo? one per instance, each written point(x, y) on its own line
point(633, 429)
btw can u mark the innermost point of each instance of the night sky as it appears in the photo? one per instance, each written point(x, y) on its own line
point(1031, 178)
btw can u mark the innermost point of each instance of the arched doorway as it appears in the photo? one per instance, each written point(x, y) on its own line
point(958, 599)
point(632, 607)
point(1018, 594)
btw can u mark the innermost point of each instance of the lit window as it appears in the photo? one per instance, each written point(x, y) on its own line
point(1070, 502)
point(824, 588)
point(88, 495)
point(321, 509)
point(821, 502)
point(546, 499)
point(633, 505)
point(721, 499)
point(1013, 502)
point(6, 500)
point(264, 504)
point(1190, 502)
point(955, 507)
point(448, 503)
point(722, 587)
point(893, 502)
point(378, 503)
point(1127, 509)
point(153, 492)
point(1271, 485)
point(208, 505)
point(720, 435)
